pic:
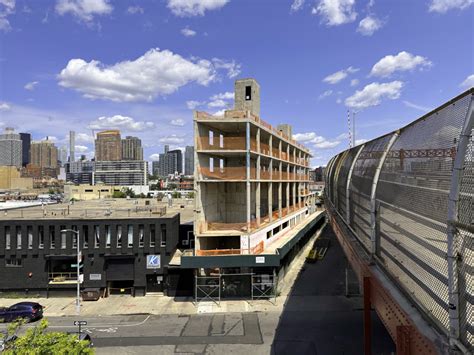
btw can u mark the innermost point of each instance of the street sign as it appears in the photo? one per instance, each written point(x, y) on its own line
point(80, 322)
point(95, 277)
point(75, 265)
point(260, 260)
point(153, 262)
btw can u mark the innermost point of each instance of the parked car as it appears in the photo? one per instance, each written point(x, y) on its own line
point(30, 311)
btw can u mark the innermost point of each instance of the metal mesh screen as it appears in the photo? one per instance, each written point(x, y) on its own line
point(333, 177)
point(328, 181)
point(361, 187)
point(412, 193)
point(342, 180)
point(464, 246)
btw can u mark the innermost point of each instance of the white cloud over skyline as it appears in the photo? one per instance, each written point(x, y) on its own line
point(373, 94)
point(401, 62)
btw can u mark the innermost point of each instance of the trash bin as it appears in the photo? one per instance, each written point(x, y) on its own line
point(91, 294)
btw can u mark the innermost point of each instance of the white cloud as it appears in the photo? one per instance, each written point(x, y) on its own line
point(354, 82)
point(4, 106)
point(336, 12)
point(373, 94)
point(368, 25)
point(154, 157)
point(340, 75)
point(188, 8)
point(403, 61)
point(325, 94)
point(415, 106)
point(317, 141)
point(233, 68)
point(120, 122)
point(31, 85)
point(221, 100)
point(177, 122)
point(7, 7)
point(360, 141)
point(83, 10)
point(297, 5)
point(153, 74)
point(187, 32)
point(83, 138)
point(192, 104)
point(219, 113)
point(443, 6)
point(468, 83)
point(172, 139)
point(81, 148)
point(135, 10)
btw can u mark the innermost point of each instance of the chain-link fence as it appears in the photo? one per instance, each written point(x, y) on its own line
point(405, 223)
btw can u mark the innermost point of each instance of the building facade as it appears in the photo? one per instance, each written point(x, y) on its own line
point(121, 173)
point(189, 160)
point(108, 146)
point(11, 179)
point(80, 172)
point(26, 145)
point(155, 168)
point(11, 150)
point(251, 178)
point(132, 148)
point(44, 154)
point(119, 255)
point(171, 162)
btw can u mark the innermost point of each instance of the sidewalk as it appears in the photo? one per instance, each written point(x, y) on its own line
point(121, 305)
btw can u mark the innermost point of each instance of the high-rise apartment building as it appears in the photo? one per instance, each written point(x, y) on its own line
point(251, 179)
point(72, 146)
point(171, 162)
point(132, 148)
point(120, 173)
point(25, 144)
point(44, 154)
point(10, 148)
point(189, 160)
point(155, 168)
point(108, 146)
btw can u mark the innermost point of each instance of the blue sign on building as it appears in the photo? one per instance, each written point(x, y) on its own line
point(153, 262)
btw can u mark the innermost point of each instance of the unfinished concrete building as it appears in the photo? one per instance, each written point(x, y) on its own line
point(251, 179)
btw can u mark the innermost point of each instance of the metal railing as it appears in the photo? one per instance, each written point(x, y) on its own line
point(408, 197)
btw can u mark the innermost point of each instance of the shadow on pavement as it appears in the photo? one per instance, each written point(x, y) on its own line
point(319, 319)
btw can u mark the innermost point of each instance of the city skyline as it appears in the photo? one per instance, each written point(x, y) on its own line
point(381, 59)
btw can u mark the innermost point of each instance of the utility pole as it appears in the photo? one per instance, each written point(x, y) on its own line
point(349, 126)
point(78, 294)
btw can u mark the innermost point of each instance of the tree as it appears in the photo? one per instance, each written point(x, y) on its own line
point(38, 341)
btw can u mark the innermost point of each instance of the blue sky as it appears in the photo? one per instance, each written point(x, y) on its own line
point(142, 66)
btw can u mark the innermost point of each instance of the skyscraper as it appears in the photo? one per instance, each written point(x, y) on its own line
point(44, 154)
point(170, 162)
point(26, 144)
point(108, 146)
point(10, 148)
point(72, 146)
point(63, 155)
point(189, 160)
point(132, 148)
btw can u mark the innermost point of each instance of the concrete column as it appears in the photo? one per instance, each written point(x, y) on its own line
point(294, 194)
point(270, 200)
point(257, 192)
point(248, 174)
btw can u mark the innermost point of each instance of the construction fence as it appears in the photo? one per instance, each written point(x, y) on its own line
point(408, 197)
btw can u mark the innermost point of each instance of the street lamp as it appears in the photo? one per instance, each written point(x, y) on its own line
point(78, 296)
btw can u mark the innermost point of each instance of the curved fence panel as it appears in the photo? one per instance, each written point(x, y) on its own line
point(361, 187)
point(342, 180)
point(464, 246)
point(410, 220)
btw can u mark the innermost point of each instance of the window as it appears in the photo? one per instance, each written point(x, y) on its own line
point(96, 236)
point(63, 237)
point(141, 235)
point(52, 237)
point(211, 138)
point(13, 262)
point(8, 238)
point(18, 237)
point(29, 232)
point(40, 237)
point(211, 164)
point(163, 235)
point(248, 93)
point(221, 165)
point(85, 235)
point(221, 141)
point(152, 235)
point(107, 236)
point(130, 236)
point(74, 237)
point(269, 234)
point(119, 236)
